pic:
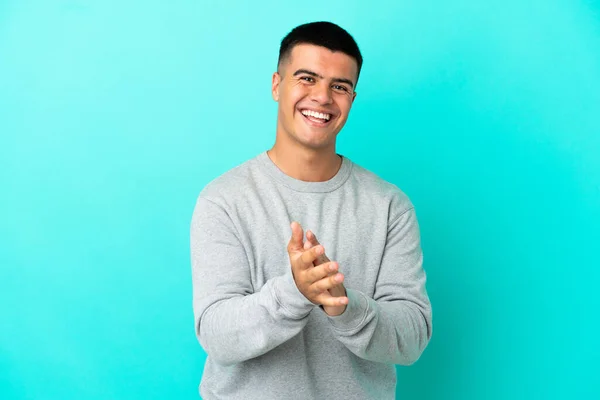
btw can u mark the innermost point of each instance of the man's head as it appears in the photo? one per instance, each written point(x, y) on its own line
point(324, 34)
point(318, 68)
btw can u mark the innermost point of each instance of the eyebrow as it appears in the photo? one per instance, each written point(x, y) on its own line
point(311, 73)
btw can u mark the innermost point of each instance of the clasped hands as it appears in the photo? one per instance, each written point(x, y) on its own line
point(316, 277)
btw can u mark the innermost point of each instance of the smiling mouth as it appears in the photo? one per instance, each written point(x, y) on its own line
point(316, 118)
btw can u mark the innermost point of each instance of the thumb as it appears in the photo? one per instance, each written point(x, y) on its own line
point(295, 243)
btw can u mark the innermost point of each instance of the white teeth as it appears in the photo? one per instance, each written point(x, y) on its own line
point(310, 113)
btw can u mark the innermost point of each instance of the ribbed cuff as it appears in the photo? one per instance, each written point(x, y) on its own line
point(355, 313)
point(289, 297)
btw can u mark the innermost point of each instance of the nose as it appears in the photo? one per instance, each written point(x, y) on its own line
point(321, 93)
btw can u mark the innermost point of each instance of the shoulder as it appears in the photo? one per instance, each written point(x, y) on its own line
point(381, 190)
point(231, 185)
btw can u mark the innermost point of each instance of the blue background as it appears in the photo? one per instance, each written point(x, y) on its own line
point(115, 114)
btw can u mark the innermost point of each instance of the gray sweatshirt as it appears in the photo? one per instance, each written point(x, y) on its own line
point(263, 338)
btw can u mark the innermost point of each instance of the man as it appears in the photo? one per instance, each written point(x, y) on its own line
point(276, 317)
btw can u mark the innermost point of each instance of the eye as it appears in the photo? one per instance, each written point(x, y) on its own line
point(340, 88)
point(307, 79)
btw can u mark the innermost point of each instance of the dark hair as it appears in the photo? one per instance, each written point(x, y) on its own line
point(325, 34)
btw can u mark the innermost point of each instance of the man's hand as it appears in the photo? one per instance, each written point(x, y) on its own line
point(314, 282)
point(338, 290)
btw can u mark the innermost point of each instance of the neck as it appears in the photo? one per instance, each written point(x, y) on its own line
point(309, 165)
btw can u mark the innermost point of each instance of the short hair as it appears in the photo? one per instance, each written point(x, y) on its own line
point(322, 33)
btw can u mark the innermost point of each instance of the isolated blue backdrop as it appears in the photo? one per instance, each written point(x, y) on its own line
point(115, 114)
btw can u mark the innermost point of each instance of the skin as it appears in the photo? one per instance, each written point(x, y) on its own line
point(317, 79)
point(337, 290)
point(315, 282)
point(304, 150)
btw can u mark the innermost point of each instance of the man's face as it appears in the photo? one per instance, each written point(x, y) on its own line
point(315, 90)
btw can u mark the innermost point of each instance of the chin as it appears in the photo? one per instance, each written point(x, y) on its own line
point(316, 142)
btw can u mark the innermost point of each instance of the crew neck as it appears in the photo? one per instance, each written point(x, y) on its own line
point(303, 186)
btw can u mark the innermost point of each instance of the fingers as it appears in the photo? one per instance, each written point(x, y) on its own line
point(327, 282)
point(321, 271)
point(321, 284)
point(322, 259)
point(315, 275)
point(309, 256)
point(311, 242)
point(328, 300)
point(295, 243)
point(307, 245)
point(312, 238)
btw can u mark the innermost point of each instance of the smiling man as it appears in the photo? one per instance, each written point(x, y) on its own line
point(280, 313)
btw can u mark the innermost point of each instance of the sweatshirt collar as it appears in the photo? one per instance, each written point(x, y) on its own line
point(302, 186)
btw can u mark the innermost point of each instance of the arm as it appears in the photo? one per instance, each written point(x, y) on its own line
point(396, 325)
point(233, 322)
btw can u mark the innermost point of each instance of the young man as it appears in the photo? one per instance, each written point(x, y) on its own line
point(276, 317)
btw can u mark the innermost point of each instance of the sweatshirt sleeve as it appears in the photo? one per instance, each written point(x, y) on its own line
point(395, 325)
point(234, 322)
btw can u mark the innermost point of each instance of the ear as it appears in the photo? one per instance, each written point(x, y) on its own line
point(353, 96)
point(275, 86)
